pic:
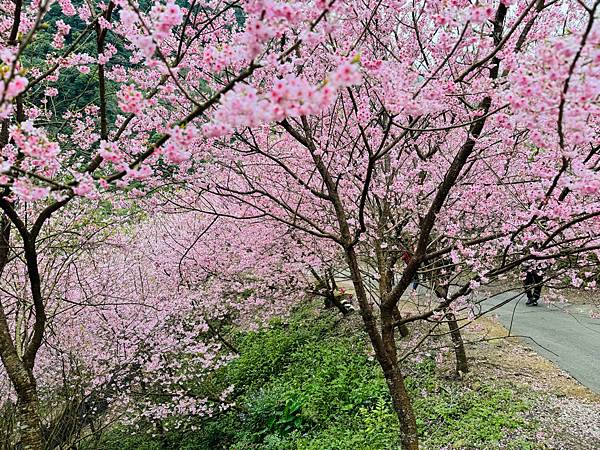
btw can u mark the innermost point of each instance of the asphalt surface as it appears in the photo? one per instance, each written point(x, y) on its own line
point(566, 335)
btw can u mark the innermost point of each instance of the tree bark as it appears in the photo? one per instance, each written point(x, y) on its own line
point(29, 423)
point(409, 439)
point(385, 266)
point(402, 328)
point(384, 344)
point(28, 419)
point(395, 380)
point(462, 365)
point(22, 379)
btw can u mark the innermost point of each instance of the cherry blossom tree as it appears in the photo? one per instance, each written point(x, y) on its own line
point(136, 319)
point(468, 136)
point(147, 73)
point(464, 132)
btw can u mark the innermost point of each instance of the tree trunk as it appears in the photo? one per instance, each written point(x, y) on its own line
point(29, 423)
point(384, 345)
point(28, 420)
point(462, 365)
point(402, 328)
point(385, 269)
point(395, 380)
point(409, 439)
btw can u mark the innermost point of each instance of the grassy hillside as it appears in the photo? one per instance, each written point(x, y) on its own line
point(309, 383)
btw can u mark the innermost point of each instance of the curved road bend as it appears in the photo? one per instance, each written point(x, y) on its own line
point(565, 334)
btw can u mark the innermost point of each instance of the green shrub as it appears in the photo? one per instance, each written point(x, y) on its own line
point(310, 385)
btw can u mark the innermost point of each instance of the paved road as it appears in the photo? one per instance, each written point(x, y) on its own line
point(564, 334)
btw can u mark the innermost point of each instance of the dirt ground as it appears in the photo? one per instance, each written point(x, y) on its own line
point(519, 364)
